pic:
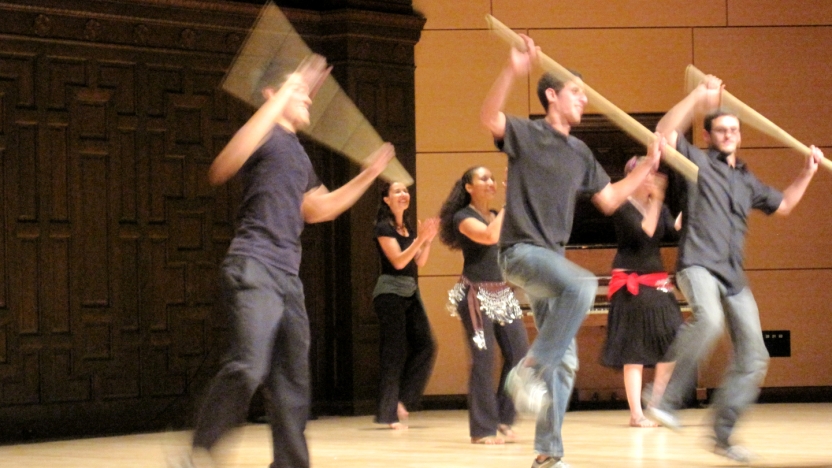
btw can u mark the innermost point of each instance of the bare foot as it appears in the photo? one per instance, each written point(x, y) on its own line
point(401, 412)
point(488, 440)
point(642, 422)
point(507, 432)
point(397, 426)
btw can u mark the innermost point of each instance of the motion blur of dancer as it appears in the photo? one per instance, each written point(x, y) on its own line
point(710, 263)
point(261, 290)
point(547, 170)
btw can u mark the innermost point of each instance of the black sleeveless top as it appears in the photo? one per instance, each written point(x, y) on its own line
point(637, 251)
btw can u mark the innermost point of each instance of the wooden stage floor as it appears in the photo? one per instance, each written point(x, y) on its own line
point(782, 435)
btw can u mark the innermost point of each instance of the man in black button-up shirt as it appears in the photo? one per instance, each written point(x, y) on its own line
point(709, 267)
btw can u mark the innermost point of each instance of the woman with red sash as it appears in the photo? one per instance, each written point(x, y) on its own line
point(644, 314)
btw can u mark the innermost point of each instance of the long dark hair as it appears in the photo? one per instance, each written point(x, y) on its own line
point(458, 199)
point(384, 214)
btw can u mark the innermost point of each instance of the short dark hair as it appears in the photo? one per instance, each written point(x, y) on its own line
point(274, 74)
point(709, 119)
point(548, 80)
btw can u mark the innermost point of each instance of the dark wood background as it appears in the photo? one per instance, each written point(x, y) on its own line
point(612, 148)
point(110, 114)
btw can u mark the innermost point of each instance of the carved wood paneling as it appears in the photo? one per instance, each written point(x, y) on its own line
point(110, 114)
point(108, 226)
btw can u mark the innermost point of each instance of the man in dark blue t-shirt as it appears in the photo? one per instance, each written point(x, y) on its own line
point(547, 169)
point(709, 265)
point(260, 286)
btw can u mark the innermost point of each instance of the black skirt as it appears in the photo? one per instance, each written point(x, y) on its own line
point(640, 328)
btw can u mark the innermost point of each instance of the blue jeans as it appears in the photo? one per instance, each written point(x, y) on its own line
point(712, 310)
point(561, 294)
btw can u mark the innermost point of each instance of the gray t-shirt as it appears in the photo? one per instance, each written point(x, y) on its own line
point(715, 221)
point(547, 170)
point(269, 220)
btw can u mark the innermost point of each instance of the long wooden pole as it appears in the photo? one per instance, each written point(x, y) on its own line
point(635, 129)
point(749, 116)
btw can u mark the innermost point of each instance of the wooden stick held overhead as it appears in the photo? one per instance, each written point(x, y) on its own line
point(673, 158)
point(749, 116)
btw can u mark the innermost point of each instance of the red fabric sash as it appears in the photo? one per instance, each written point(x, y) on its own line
point(621, 278)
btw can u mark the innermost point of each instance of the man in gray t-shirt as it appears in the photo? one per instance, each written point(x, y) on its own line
point(709, 268)
point(547, 170)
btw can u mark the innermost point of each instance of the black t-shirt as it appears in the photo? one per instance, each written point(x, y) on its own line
point(480, 261)
point(269, 220)
point(547, 170)
point(715, 222)
point(637, 251)
point(384, 229)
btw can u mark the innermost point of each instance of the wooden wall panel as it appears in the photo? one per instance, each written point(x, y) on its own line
point(799, 241)
point(779, 12)
point(542, 14)
point(26, 173)
point(638, 70)
point(92, 235)
point(797, 300)
point(437, 174)
point(783, 73)
point(441, 14)
point(106, 225)
point(455, 70)
point(450, 373)
point(57, 303)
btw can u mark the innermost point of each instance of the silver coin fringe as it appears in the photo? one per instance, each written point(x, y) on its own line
point(497, 301)
point(455, 295)
point(500, 306)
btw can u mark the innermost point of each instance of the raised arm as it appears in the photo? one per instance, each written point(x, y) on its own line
point(654, 203)
point(418, 250)
point(481, 233)
point(794, 192)
point(518, 65)
point(251, 135)
point(320, 204)
point(299, 85)
point(705, 97)
point(613, 195)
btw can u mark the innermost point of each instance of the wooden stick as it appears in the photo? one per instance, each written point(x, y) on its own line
point(749, 116)
point(673, 158)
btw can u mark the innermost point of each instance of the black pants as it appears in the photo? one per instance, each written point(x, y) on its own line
point(269, 345)
point(407, 352)
point(488, 409)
